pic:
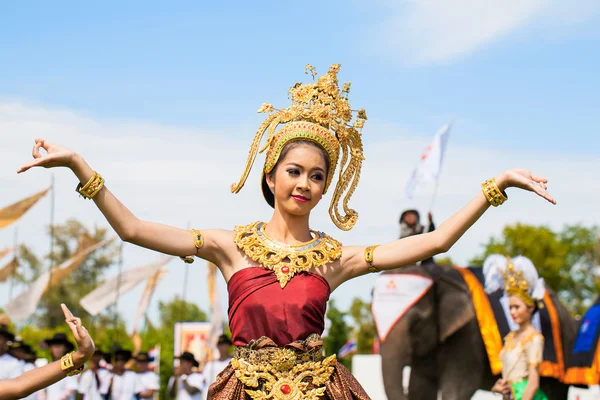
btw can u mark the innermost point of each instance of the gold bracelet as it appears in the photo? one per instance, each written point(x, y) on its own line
point(492, 193)
point(198, 243)
point(369, 258)
point(67, 365)
point(92, 187)
point(66, 362)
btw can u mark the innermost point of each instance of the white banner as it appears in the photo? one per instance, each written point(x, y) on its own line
point(430, 165)
point(106, 294)
point(24, 305)
point(394, 294)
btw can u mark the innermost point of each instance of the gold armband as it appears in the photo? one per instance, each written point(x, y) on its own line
point(492, 193)
point(369, 258)
point(198, 242)
point(92, 187)
point(67, 365)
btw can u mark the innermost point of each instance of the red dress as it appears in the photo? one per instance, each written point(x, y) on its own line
point(259, 307)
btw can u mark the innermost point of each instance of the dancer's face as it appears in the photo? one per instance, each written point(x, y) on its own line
point(519, 311)
point(299, 180)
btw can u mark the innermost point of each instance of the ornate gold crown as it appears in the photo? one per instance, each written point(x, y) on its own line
point(320, 112)
point(516, 284)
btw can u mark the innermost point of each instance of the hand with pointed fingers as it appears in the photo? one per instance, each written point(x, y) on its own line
point(523, 179)
point(85, 344)
point(56, 156)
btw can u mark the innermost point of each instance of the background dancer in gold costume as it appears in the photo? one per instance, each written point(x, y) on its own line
point(280, 274)
point(523, 349)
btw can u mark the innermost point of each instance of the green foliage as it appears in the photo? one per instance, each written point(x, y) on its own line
point(364, 325)
point(338, 333)
point(567, 259)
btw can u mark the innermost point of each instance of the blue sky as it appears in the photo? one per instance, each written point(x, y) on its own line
point(146, 88)
point(209, 63)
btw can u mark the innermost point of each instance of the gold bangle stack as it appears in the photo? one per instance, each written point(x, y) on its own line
point(67, 365)
point(198, 242)
point(92, 187)
point(369, 258)
point(492, 193)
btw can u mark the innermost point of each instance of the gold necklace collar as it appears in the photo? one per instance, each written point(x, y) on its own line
point(286, 260)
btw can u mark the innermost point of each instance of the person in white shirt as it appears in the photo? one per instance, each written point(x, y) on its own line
point(186, 384)
point(64, 389)
point(214, 367)
point(10, 367)
point(23, 353)
point(92, 379)
point(122, 384)
point(149, 379)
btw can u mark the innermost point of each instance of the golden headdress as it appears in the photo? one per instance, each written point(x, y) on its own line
point(320, 113)
point(516, 276)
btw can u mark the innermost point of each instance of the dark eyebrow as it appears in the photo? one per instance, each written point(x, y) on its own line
point(301, 167)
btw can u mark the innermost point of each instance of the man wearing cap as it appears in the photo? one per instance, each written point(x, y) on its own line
point(92, 379)
point(186, 384)
point(214, 367)
point(64, 389)
point(10, 367)
point(149, 379)
point(122, 384)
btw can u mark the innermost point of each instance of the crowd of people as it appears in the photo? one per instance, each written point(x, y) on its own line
point(118, 375)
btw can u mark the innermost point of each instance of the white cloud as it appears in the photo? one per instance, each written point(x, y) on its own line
point(433, 31)
point(181, 176)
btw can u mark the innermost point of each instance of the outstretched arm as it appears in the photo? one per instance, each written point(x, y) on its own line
point(154, 236)
point(412, 249)
point(39, 378)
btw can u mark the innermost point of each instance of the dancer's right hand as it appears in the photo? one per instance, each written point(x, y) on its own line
point(85, 344)
point(57, 156)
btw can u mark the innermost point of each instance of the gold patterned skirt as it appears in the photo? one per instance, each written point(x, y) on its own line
point(263, 371)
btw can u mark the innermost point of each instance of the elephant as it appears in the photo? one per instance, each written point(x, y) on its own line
point(440, 339)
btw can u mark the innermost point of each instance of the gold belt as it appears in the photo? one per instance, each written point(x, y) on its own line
point(295, 372)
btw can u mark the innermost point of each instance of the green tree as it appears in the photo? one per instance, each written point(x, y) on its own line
point(364, 326)
point(338, 332)
point(176, 310)
point(567, 259)
point(78, 283)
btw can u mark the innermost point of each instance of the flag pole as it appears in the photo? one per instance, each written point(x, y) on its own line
point(186, 273)
point(52, 206)
point(118, 288)
point(12, 279)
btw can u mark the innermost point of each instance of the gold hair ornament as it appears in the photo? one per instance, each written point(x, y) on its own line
point(284, 259)
point(320, 113)
point(516, 284)
point(198, 243)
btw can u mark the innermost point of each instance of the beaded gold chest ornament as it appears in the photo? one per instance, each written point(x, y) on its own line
point(320, 113)
point(283, 259)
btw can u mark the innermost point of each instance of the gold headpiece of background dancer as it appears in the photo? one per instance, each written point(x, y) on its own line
point(320, 113)
point(516, 284)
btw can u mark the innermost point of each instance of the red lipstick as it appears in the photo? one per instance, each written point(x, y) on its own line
point(300, 199)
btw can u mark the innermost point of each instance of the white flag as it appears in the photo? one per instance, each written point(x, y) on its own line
point(430, 165)
point(106, 294)
point(151, 284)
point(24, 305)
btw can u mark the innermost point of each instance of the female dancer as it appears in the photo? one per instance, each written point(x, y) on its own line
point(71, 364)
point(522, 352)
point(280, 274)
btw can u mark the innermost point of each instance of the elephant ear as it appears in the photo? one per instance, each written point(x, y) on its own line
point(455, 306)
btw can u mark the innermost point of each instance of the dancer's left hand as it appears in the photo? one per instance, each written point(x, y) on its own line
point(85, 344)
point(523, 179)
